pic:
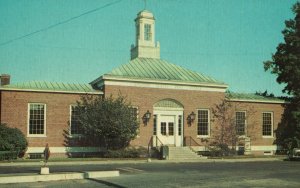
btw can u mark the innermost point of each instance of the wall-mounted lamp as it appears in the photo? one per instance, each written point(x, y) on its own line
point(191, 118)
point(146, 117)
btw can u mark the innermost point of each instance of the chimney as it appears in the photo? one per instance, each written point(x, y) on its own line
point(5, 79)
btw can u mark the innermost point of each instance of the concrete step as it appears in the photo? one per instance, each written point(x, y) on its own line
point(182, 153)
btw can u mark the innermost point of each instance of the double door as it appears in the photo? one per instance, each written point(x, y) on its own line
point(167, 129)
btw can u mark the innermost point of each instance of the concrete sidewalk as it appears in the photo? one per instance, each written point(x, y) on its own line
point(30, 177)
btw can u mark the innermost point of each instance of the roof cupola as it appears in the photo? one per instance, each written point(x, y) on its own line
point(145, 45)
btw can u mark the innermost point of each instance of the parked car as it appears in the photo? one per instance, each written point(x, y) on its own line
point(294, 154)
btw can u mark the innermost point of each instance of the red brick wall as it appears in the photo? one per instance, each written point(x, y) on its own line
point(14, 112)
point(254, 122)
point(145, 98)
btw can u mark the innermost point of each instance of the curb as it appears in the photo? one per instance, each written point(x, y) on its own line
point(57, 177)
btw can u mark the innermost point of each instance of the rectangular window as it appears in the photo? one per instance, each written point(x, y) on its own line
point(37, 119)
point(203, 122)
point(240, 122)
point(154, 124)
point(134, 112)
point(171, 128)
point(179, 125)
point(267, 124)
point(163, 128)
point(76, 128)
point(147, 32)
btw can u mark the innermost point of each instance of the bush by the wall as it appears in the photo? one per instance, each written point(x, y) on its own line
point(127, 153)
point(13, 140)
point(220, 150)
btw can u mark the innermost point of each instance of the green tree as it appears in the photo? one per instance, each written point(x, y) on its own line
point(12, 139)
point(107, 122)
point(285, 64)
point(226, 136)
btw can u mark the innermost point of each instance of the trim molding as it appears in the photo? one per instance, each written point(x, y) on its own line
point(253, 148)
point(160, 85)
point(258, 101)
point(52, 91)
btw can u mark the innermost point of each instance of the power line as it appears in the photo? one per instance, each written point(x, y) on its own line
point(59, 23)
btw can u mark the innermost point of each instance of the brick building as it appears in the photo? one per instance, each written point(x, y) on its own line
point(179, 102)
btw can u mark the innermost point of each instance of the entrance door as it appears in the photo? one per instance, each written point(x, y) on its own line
point(167, 130)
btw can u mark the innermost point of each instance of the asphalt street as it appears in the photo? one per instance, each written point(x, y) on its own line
point(210, 174)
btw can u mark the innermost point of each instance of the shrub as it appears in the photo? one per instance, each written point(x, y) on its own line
point(107, 122)
point(12, 139)
point(127, 153)
point(220, 150)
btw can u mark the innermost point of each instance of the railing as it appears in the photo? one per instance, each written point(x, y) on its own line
point(189, 141)
point(151, 144)
point(157, 140)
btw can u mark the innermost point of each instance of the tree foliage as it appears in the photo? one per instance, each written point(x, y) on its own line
point(107, 122)
point(12, 139)
point(285, 64)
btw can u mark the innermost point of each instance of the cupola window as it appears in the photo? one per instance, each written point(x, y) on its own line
point(147, 32)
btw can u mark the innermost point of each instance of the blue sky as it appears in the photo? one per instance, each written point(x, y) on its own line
point(225, 39)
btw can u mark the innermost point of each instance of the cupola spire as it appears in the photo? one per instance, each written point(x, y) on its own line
point(145, 44)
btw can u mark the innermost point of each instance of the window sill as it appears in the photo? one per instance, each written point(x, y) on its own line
point(203, 136)
point(36, 136)
point(267, 136)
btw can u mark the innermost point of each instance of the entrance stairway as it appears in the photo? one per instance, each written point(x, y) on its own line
point(183, 153)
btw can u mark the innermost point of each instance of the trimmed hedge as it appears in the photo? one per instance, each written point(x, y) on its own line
point(127, 153)
point(12, 141)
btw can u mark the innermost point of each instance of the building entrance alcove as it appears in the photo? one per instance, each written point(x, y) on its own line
point(168, 115)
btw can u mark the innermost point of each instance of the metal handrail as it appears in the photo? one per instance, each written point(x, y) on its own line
point(190, 143)
point(157, 139)
point(150, 144)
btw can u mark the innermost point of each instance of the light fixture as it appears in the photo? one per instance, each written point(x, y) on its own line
point(146, 117)
point(191, 118)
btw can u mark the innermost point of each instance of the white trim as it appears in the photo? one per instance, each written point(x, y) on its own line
point(258, 101)
point(175, 82)
point(167, 109)
point(45, 120)
point(272, 125)
point(161, 84)
point(208, 119)
point(178, 139)
point(264, 148)
point(64, 149)
point(52, 91)
point(253, 148)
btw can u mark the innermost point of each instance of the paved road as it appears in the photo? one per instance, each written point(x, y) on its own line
point(239, 174)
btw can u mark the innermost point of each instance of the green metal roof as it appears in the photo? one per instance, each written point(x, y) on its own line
point(157, 69)
point(51, 87)
point(252, 97)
